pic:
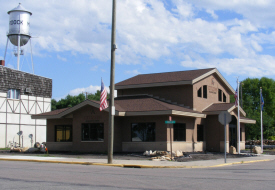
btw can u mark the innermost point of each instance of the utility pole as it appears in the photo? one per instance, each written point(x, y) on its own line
point(238, 124)
point(112, 85)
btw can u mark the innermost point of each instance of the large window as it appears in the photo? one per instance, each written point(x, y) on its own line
point(63, 133)
point(13, 94)
point(199, 92)
point(180, 132)
point(224, 97)
point(205, 91)
point(143, 132)
point(92, 132)
point(220, 95)
point(200, 133)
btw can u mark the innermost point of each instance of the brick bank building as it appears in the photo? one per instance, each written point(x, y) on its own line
point(193, 98)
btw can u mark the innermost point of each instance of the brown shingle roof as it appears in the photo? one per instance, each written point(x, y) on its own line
point(164, 77)
point(219, 107)
point(55, 112)
point(139, 103)
point(146, 103)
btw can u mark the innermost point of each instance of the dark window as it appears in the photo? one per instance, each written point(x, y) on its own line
point(143, 132)
point(13, 94)
point(241, 139)
point(224, 97)
point(205, 91)
point(63, 133)
point(92, 132)
point(199, 92)
point(220, 95)
point(200, 133)
point(179, 132)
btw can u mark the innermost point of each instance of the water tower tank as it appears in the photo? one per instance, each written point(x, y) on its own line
point(19, 24)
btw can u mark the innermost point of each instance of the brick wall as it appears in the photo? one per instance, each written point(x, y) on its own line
point(213, 85)
point(182, 94)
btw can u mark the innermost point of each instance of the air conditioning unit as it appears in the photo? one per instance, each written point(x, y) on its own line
point(28, 90)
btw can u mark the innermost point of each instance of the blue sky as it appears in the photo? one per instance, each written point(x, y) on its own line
point(71, 39)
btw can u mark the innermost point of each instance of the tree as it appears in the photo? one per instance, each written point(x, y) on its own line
point(71, 101)
point(251, 105)
point(54, 102)
point(95, 96)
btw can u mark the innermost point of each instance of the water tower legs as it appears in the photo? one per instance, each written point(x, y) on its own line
point(6, 49)
point(18, 52)
point(31, 55)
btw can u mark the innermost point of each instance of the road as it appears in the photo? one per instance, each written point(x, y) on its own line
point(33, 176)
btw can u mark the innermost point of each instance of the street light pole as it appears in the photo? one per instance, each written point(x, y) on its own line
point(112, 78)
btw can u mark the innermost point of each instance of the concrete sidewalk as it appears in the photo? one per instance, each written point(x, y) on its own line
point(141, 163)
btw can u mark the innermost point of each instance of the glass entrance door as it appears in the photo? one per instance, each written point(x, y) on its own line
point(232, 135)
point(233, 132)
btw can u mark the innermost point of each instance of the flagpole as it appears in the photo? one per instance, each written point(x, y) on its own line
point(238, 125)
point(262, 147)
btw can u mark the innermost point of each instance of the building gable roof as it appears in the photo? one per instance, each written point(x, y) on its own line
point(170, 78)
point(129, 106)
point(218, 107)
point(139, 105)
point(215, 109)
point(147, 105)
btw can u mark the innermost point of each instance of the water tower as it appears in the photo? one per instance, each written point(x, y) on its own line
point(19, 25)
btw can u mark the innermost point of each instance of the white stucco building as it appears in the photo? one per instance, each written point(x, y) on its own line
point(22, 95)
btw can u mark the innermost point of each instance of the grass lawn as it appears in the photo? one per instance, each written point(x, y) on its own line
point(4, 148)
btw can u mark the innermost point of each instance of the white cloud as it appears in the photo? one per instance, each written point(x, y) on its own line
point(90, 89)
point(256, 46)
point(185, 10)
point(251, 67)
point(133, 72)
point(61, 58)
point(147, 30)
point(94, 68)
point(212, 13)
point(260, 12)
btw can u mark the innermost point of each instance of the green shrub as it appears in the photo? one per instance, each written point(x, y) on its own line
point(271, 138)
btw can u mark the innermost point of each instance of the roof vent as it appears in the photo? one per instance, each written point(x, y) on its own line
point(28, 90)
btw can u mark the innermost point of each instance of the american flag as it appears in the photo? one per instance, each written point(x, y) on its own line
point(236, 97)
point(103, 97)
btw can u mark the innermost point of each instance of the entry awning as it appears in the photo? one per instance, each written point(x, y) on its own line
point(217, 108)
point(247, 120)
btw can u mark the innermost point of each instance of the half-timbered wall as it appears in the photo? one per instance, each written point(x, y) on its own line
point(15, 114)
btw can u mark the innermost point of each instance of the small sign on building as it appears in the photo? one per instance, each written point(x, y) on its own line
point(170, 122)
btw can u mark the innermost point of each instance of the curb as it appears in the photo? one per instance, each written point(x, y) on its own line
point(242, 162)
point(130, 165)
